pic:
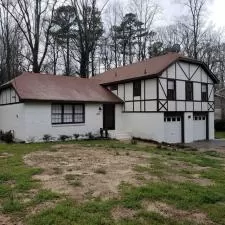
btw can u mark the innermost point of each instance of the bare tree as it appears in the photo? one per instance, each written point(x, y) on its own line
point(34, 19)
point(89, 30)
point(146, 11)
point(193, 24)
point(11, 45)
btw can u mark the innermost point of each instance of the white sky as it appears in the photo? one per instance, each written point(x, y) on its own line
point(170, 10)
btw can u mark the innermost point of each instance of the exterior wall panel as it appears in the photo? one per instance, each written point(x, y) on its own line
point(151, 89)
point(128, 91)
point(12, 117)
point(8, 96)
point(38, 121)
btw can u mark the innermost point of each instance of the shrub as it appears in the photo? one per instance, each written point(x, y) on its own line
point(90, 135)
point(8, 136)
point(133, 141)
point(47, 137)
point(76, 136)
point(1, 135)
point(101, 132)
point(106, 133)
point(63, 137)
point(220, 125)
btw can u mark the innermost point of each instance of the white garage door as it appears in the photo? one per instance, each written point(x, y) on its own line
point(173, 129)
point(199, 126)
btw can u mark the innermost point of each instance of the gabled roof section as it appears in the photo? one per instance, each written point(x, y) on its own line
point(46, 87)
point(148, 68)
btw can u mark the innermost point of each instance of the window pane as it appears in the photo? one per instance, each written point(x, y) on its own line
point(189, 91)
point(78, 109)
point(68, 118)
point(204, 88)
point(113, 87)
point(78, 118)
point(56, 108)
point(56, 118)
point(137, 88)
point(68, 109)
point(171, 85)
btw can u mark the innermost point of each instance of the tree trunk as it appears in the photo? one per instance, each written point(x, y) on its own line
point(67, 56)
point(84, 66)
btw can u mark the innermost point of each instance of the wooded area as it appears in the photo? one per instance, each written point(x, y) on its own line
point(84, 37)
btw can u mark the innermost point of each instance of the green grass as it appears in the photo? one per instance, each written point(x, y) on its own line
point(220, 134)
point(16, 183)
point(45, 195)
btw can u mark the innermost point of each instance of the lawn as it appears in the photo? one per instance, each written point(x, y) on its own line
point(110, 182)
point(220, 134)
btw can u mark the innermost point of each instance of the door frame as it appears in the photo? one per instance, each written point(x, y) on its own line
point(181, 114)
point(105, 115)
point(206, 114)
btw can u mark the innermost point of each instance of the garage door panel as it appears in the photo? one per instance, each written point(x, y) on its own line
point(173, 129)
point(199, 127)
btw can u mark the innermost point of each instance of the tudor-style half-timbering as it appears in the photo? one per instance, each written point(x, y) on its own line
point(193, 89)
point(182, 87)
point(138, 96)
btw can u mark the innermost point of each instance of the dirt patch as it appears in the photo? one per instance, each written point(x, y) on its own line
point(5, 220)
point(76, 161)
point(5, 155)
point(196, 179)
point(171, 212)
point(120, 213)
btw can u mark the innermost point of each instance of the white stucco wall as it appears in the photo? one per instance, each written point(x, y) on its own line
point(12, 118)
point(211, 126)
point(141, 125)
point(38, 121)
point(188, 127)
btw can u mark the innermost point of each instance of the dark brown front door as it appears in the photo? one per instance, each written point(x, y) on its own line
point(109, 116)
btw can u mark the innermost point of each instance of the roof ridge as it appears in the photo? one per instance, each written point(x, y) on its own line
point(139, 62)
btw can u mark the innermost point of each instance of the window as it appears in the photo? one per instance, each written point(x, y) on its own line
point(67, 113)
point(189, 91)
point(204, 93)
point(171, 92)
point(113, 87)
point(137, 88)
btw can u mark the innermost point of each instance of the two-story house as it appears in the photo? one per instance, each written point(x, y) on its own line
point(169, 98)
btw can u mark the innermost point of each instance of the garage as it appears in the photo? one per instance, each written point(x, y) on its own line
point(199, 127)
point(173, 128)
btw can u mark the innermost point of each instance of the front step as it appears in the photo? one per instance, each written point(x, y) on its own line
point(120, 135)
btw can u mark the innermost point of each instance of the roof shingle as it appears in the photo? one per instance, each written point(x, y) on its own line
point(147, 68)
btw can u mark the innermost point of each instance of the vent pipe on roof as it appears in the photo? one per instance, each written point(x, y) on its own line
point(145, 72)
point(115, 74)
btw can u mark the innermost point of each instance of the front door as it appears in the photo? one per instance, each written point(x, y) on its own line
point(109, 116)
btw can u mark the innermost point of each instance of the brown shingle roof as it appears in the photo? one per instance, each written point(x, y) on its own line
point(147, 68)
point(42, 87)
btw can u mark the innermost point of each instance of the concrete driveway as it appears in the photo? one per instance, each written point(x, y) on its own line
point(212, 145)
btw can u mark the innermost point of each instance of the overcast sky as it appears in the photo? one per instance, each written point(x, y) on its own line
point(171, 10)
point(216, 11)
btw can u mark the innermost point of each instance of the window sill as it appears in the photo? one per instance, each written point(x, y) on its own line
point(68, 125)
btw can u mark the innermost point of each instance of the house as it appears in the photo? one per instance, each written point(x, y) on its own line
point(220, 104)
point(169, 98)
